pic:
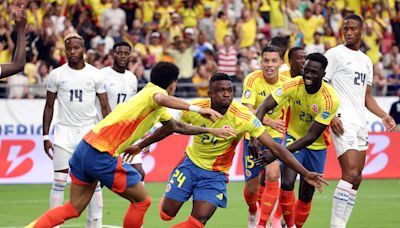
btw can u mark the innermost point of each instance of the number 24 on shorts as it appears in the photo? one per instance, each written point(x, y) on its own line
point(178, 176)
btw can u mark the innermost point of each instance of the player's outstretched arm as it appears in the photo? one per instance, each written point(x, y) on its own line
point(316, 129)
point(47, 118)
point(176, 103)
point(267, 105)
point(373, 107)
point(18, 61)
point(315, 179)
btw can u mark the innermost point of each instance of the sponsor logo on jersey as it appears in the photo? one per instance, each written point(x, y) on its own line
point(325, 115)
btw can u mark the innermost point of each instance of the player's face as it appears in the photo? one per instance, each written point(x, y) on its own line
point(74, 50)
point(298, 60)
point(221, 93)
point(352, 31)
point(312, 75)
point(121, 56)
point(270, 63)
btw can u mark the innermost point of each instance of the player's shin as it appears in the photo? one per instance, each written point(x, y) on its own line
point(55, 216)
point(340, 201)
point(350, 204)
point(135, 214)
point(95, 209)
point(268, 201)
point(301, 212)
point(287, 201)
point(191, 222)
point(57, 190)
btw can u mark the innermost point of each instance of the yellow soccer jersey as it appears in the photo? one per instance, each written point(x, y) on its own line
point(216, 154)
point(128, 122)
point(256, 89)
point(305, 108)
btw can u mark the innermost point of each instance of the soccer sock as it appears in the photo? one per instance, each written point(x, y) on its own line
point(95, 209)
point(191, 222)
point(57, 190)
point(260, 193)
point(340, 199)
point(251, 200)
point(350, 204)
point(268, 200)
point(56, 216)
point(301, 212)
point(278, 213)
point(135, 214)
point(287, 201)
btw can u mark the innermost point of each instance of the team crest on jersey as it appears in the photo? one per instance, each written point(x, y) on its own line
point(89, 84)
point(314, 108)
point(257, 123)
point(279, 92)
point(168, 188)
point(247, 94)
point(248, 173)
point(325, 115)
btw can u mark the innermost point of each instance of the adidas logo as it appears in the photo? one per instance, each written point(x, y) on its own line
point(220, 196)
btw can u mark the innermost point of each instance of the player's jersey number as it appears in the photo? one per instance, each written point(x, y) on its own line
point(206, 139)
point(179, 177)
point(75, 94)
point(305, 117)
point(249, 162)
point(359, 78)
point(121, 97)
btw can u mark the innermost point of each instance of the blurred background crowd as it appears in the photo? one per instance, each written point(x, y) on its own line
point(201, 37)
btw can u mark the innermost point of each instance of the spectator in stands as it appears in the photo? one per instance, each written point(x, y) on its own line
point(113, 19)
point(154, 46)
point(317, 46)
point(103, 37)
point(6, 42)
point(201, 46)
point(210, 63)
point(395, 112)
point(165, 9)
point(190, 13)
point(247, 27)
point(379, 81)
point(393, 81)
point(201, 80)
point(222, 26)
point(18, 86)
point(392, 58)
point(206, 24)
point(176, 28)
point(308, 25)
point(40, 90)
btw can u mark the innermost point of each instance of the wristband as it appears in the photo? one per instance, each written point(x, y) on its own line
point(45, 137)
point(194, 108)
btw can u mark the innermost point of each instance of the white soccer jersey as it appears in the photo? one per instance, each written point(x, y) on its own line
point(349, 72)
point(119, 86)
point(76, 93)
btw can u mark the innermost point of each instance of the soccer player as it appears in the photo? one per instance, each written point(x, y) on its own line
point(297, 57)
point(257, 86)
point(18, 61)
point(313, 104)
point(96, 158)
point(202, 173)
point(75, 85)
point(350, 73)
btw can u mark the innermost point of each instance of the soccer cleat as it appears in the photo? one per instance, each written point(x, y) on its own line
point(252, 220)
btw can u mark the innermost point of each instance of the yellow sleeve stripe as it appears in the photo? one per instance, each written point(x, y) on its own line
point(239, 113)
point(328, 99)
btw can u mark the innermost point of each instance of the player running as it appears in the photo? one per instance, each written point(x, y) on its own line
point(97, 156)
point(257, 86)
point(75, 85)
point(313, 104)
point(202, 173)
point(350, 73)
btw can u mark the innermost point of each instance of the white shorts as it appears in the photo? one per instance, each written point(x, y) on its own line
point(68, 137)
point(354, 137)
point(61, 158)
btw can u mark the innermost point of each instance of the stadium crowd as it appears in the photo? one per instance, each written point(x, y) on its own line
point(201, 37)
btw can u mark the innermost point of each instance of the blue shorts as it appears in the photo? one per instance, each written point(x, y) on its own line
point(89, 165)
point(313, 160)
point(188, 179)
point(251, 170)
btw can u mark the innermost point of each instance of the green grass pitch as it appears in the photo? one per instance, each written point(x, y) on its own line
point(377, 205)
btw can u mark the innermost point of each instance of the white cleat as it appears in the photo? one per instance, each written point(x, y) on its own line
point(252, 221)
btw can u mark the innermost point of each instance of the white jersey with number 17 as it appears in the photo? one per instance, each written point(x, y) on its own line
point(76, 93)
point(349, 72)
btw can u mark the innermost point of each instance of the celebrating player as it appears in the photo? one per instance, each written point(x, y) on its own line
point(313, 104)
point(202, 173)
point(257, 86)
point(18, 61)
point(350, 73)
point(75, 85)
point(96, 158)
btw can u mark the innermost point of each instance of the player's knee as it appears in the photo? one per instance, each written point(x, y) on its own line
point(60, 181)
point(306, 197)
point(286, 186)
point(202, 218)
point(252, 186)
point(351, 176)
point(272, 177)
point(165, 216)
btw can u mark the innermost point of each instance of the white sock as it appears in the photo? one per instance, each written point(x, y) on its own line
point(57, 190)
point(94, 217)
point(340, 198)
point(350, 204)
